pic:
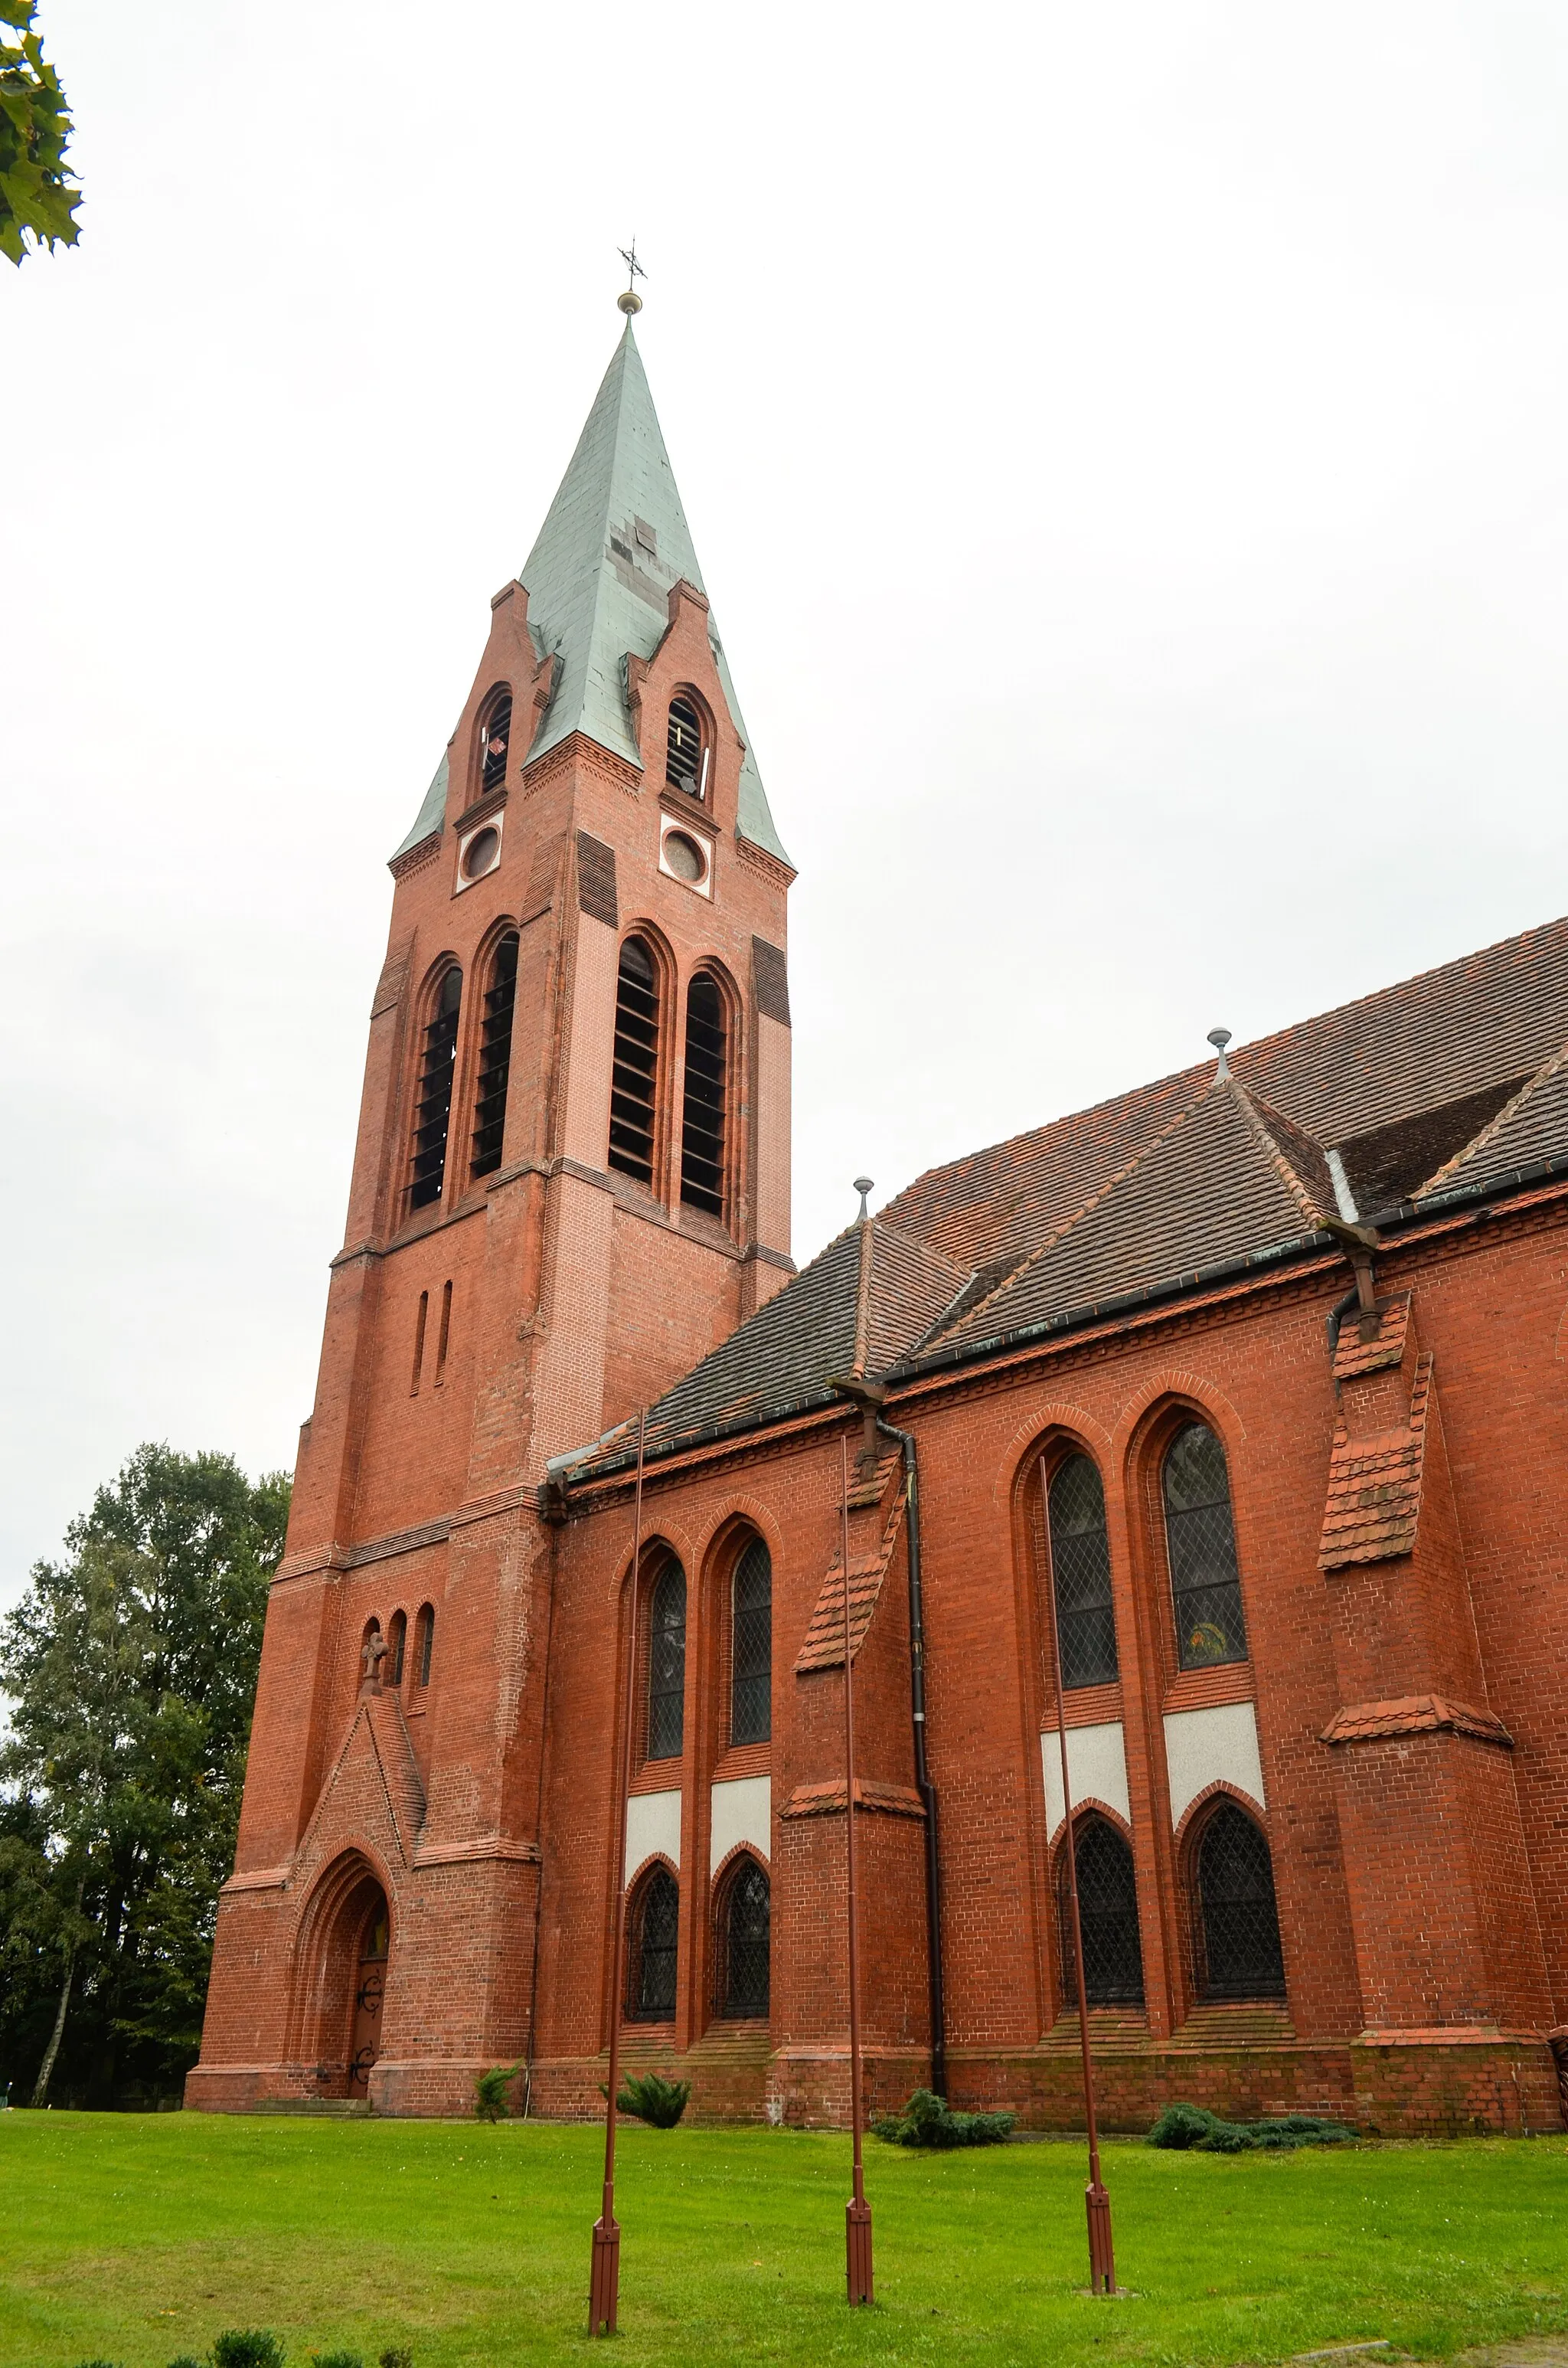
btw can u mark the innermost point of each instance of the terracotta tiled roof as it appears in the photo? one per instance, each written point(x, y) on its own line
point(824, 1648)
point(1386, 1346)
point(1413, 1714)
point(1374, 1487)
point(1532, 1125)
point(826, 1800)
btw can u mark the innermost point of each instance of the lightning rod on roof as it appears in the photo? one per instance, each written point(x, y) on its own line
point(1220, 1038)
point(863, 1185)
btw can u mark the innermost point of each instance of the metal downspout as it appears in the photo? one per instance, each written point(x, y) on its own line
point(923, 1783)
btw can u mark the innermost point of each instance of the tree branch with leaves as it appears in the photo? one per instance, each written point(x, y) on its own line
point(38, 195)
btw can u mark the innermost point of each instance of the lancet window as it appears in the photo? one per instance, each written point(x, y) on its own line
point(433, 1112)
point(1080, 1573)
point(423, 1643)
point(634, 1082)
point(494, 1058)
point(702, 1117)
point(751, 1647)
point(1206, 1586)
point(742, 1944)
point(666, 1665)
point(1108, 1915)
point(653, 1938)
point(494, 733)
point(687, 751)
point(1238, 1918)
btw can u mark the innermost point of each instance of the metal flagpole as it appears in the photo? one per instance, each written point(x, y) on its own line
point(1102, 2259)
point(604, 2279)
point(857, 2212)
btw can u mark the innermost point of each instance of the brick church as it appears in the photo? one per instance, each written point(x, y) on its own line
point(1260, 1371)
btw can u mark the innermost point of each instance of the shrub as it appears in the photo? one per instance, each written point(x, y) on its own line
point(338, 2359)
point(652, 2099)
point(926, 2121)
point(490, 2090)
point(1193, 2128)
point(247, 2347)
point(185, 2361)
point(396, 2356)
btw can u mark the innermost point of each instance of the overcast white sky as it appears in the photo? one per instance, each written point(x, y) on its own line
point(1126, 449)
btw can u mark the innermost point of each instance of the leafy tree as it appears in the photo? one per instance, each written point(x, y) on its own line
point(131, 1665)
point(38, 199)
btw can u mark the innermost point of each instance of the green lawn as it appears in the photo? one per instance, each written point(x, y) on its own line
point(138, 2238)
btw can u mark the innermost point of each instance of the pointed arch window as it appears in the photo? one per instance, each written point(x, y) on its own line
point(751, 1647)
point(702, 1117)
point(1107, 1916)
point(433, 1113)
point(652, 1940)
point(666, 1665)
point(687, 751)
point(1206, 1586)
point(743, 1951)
point(1237, 1923)
point(1080, 1572)
point(494, 733)
point(494, 1058)
point(634, 1081)
point(397, 1638)
point(423, 1643)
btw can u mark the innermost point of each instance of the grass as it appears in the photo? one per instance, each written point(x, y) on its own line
point(139, 2237)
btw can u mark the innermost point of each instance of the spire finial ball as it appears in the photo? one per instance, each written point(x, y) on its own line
point(1220, 1038)
point(630, 302)
point(863, 1185)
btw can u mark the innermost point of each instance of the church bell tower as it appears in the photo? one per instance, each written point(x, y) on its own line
point(570, 1181)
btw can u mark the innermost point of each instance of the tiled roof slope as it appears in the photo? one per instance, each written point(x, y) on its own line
point(1213, 1186)
point(856, 1309)
point(1464, 1030)
point(1533, 1125)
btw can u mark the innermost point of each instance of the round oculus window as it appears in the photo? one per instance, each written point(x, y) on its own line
point(480, 854)
point(684, 857)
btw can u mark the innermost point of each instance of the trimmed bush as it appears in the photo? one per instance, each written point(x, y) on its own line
point(926, 2121)
point(1194, 2129)
point(652, 2099)
point(247, 2347)
point(490, 2100)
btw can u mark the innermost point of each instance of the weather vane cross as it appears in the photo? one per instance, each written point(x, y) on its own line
point(629, 300)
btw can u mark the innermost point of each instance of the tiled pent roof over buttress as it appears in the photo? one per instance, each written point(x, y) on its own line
point(1451, 1081)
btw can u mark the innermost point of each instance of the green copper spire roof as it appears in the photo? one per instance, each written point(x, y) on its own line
point(598, 577)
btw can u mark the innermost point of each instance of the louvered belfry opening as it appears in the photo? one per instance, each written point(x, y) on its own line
point(1206, 1585)
point(653, 1935)
point(1238, 1919)
point(495, 733)
point(743, 1952)
point(666, 1666)
point(1108, 1914)
point(1080, 1571)
point(684, 757)
point(702, 1115)
point(634, 1083)
point(494, 1058)
point(751, 1653)
point(433, 1114)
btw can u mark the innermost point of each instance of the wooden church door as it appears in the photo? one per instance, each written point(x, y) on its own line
point(369, 1994)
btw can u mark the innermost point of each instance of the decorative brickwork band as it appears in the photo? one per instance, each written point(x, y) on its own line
point(1374, 1488)
point(1415, 1715)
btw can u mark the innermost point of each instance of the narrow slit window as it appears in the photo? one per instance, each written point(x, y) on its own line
point(702, 1117)
point(1080, 1572)
point(494, 1059)
point(419, 1323)
point(634, 1082)
point(445, 1334)
point(397, 1638)
point(685, 754)
point(424, 1642)
point(751, 1657)
point(494, 734)
point(433, 1116)
point(666, 1666)
point(1206, 1586)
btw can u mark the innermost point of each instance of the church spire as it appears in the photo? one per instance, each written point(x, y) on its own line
point(599, 575)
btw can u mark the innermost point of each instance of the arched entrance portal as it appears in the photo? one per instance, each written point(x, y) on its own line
point(346, 1950)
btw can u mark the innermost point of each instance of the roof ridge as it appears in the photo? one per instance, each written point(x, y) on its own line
point(1041, 1249)
point(1494, 1124)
